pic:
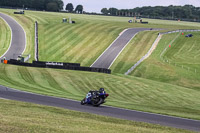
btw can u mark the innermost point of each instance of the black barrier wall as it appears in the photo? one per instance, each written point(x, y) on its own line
point(59, 65)
point(42, 63)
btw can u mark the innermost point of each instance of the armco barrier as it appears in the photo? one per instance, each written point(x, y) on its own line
point(60, 65)
point(188, 30)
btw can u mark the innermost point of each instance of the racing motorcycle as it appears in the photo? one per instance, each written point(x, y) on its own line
point(95, 98)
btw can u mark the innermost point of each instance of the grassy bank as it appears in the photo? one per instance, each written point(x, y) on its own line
point(177, 65)
point(5, 37)
point(125, 91)
point(32, 118)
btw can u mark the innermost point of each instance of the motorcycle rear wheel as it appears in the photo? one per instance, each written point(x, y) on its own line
point(97, 102)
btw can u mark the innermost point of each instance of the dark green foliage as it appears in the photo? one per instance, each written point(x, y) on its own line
point(79, 9)
point(166, 12)
point(104, 11)
point(49, 5)
point(69, 7)
point(38, 4)
point(52, 6)
point(112, 11)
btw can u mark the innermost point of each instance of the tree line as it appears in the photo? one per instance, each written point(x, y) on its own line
point(47, 5)
point(70, 8)
point(168, 12)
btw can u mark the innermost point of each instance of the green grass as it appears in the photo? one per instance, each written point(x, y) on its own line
point(32, 118)
point(183, 54)
point(125, 91)
point(5, 37)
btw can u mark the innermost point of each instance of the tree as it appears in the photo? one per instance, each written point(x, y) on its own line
point(52, 6)
point(113, 11)
point(69, 7)
point(38, 4)
point(104, 11)
point(60, 4)
point(79, 9)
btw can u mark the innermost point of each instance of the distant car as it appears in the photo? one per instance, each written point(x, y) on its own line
point(20, 12)
point(130, 21)
point(189, 35)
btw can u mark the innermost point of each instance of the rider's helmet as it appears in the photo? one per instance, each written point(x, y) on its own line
point(101, 90)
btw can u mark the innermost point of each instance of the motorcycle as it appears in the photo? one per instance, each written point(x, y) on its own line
point(96, 98)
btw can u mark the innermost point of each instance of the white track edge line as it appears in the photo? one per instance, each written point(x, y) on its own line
point(125, 46)
point(122, 50)
point(109, 46)
point(22, 29)
point(24, 33)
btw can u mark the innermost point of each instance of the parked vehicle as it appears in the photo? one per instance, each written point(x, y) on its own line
point(189, 35)
point(95, 98)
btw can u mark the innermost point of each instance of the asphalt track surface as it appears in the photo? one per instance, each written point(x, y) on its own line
point(107, 58)
point(18, 41)
point(17, 47)
point(7, 93)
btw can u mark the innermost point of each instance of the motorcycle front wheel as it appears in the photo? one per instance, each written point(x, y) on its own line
point(83, 101)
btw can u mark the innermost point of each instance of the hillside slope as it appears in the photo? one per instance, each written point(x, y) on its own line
point(84, 41)
point(125, 91)
point(179, 64)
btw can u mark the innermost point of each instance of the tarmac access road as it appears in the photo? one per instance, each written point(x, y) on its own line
point(188, 124)
point(107, 58)
point(18, 38)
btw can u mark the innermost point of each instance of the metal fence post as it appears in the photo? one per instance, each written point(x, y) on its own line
point(36, 41)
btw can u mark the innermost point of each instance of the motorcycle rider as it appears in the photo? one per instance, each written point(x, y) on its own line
point(91, 93)
point(101, 90)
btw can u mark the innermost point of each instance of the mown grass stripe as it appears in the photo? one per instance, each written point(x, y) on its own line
point(67, 36)
point(56, 82)
point(76, 83)
point(86, 46)
point(37, 18)
point(20, 83)
point(62, 31)
point(70, 46)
